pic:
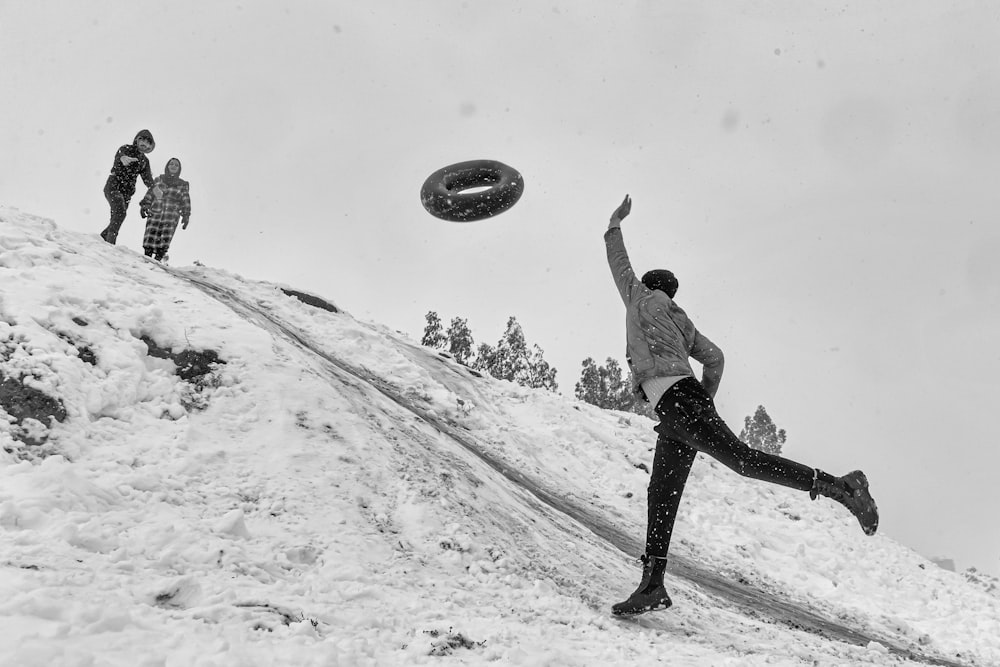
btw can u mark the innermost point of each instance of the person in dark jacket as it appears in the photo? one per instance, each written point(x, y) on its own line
point(660, 339)
point(130, 163)
point(166, 203)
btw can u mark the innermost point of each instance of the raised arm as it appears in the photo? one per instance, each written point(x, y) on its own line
point(621, 213)
point(618, 261)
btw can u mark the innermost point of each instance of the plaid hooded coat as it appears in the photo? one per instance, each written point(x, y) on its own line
point(164, 212)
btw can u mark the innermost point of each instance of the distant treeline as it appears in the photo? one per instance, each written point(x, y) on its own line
point(604, 386)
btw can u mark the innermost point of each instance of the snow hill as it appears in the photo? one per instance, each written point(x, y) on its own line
point(327, 492)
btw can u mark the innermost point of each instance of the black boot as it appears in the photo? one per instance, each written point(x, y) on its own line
point(650, 595)
point(851, 491)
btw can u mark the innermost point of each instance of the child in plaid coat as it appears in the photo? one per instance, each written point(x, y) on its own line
point(167, 202)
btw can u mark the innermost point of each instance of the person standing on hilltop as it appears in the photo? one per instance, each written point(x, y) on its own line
point(660, 339)
point(130, 163)
point(165, 204)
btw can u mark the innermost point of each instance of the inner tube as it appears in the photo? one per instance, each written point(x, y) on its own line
point(444, 196)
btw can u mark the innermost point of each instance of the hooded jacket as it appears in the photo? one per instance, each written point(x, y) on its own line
point(123, 176)
point(659, 335)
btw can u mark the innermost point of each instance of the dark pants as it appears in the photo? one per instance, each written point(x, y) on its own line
point(119, 207)
point(689, 424)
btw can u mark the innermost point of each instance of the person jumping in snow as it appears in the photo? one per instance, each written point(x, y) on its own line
point(130, 163)
point(166, 202)
point(660, 338)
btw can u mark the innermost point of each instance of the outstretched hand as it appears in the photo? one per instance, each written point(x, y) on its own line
point(622, 211)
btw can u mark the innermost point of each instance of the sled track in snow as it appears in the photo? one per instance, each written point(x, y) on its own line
point(752, 602)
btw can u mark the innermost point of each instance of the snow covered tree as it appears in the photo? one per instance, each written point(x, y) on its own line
point(511, 360)
point(508, 360)
point(603, 386)
point(759, 432)
point(588, 388)
point(460, 341)
point(433, 334)
point(543, 375)
point(484, 359)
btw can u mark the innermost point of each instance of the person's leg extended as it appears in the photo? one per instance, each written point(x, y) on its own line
point(688, 414)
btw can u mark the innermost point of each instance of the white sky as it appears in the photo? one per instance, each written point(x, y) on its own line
point(819, 178)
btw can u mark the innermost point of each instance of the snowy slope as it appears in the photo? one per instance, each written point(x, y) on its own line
point(334, 494)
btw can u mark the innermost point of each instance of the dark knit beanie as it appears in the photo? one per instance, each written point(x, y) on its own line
point(661, 279)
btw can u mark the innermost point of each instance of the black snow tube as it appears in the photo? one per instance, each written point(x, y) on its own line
point(444, 196)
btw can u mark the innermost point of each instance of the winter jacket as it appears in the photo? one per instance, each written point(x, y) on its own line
point(123, 176)
point(164, 212)
point(658, 333)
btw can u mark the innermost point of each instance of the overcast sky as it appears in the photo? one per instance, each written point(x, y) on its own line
point(822, 180)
